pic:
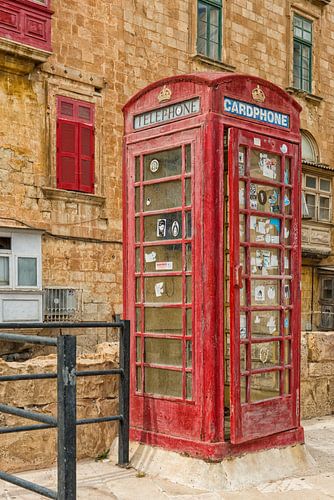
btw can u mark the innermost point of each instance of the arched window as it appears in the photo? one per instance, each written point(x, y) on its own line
point(310, 152)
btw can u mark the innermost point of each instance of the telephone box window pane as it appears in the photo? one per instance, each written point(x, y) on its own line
point(287, 375)
point(265, 324)
point(242, 257)
point(264, 386)
point(188, 289)
point(287, 201)
point(137, 169)
point(188, 225)
point(138, 260)
point(189, 382)
point(242, 195)
point(243, 389)
point(188, 192)
point(4, 271)
point(138, 379)
point(286, 323)
point(138, 290)
point(243, 294)
point(27, 271)
point(265, 165)
point(5, 243)
point(163, 258)
point(264, 292)
point(138, 349)
point(264, 198)
point(138, 319)
point(137, 229)
point(163, 195)
point(189, 354)
point(163, 320)
point(163, 289)
point(188, 158)
point(163, 382)
point(265, 230)
point(287, 292)
point(188, 257)
point(287, 171)
point(163, 164)
point(163, 226)
point(287, 352)
point(137, 199)
point(287, 263)
point(287, 232)
point(243, 357)
point(265, 261)
point(243, 326)
point(265, 355)
point(242, 228)
point(163, 352)
point(242, 161)
point(189, 321)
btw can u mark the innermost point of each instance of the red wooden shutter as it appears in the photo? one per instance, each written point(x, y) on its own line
point(67, 155)
point(86, 158)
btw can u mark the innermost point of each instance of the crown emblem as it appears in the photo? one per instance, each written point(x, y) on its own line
point(165, 94)
point(258, 94)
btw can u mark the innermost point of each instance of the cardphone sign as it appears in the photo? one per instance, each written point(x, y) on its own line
point(264, 115)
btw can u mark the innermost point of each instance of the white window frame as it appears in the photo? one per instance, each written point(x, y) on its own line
point(318, 194)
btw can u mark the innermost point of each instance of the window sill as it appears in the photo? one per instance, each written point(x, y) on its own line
point(315, 99)
point(70, 196)
point(20, 59)
point(213, 63)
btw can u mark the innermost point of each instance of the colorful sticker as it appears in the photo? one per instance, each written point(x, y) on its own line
point(164, 266)
point(284, 148)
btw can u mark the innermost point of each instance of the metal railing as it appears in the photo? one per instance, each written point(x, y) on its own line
point(66, 420)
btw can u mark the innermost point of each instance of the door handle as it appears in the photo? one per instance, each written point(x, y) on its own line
point(238, 276)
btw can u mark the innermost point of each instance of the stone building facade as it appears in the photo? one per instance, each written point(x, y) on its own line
point(61, 235)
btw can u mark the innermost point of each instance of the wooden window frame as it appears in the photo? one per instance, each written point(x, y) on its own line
point(318, 194)
point(79, 123)
point(210, 5)
point(326, 305)
point(301, 43)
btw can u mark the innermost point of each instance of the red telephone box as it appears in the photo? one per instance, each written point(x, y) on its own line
point(212, 264)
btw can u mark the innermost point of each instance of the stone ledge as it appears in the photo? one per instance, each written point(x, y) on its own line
point(18, 58)
point(73, 196)
point(212, 62)
point(315, 99)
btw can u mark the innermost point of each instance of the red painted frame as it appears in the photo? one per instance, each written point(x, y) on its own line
point(198, 427)
point(26, 22)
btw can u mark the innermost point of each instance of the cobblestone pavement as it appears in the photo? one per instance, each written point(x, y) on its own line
point(105, 481)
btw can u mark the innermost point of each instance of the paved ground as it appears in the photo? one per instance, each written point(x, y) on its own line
point(105, 481)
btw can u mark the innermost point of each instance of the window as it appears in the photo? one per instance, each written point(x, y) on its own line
point(75, 145)
point(302, 53)
point(317, 198)
point(20, 261)
point(327, 301)
point(209, 31)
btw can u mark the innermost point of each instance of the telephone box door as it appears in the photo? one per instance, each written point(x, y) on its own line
point(264, 193)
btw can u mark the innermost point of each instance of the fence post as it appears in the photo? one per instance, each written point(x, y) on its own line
point(124, 393)
point(66, 416)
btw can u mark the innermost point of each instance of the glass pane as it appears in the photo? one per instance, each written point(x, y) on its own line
point(287, 352)
point(242, 228)
point(188, 225)
point(265, 355)
point(189, 381)
point(264, 386)
point(265, 165)
point(287, 232)
point(163, 164)
point(5, 243)
point(137, 199)
point(287, 201)
point(243, 294)
point(4, 271)
point(242, 195)
point(163, 352)
point(162, 258)
point(243, 357)
point(138, 349)
point(265, 229)
point(188, 158)
point(311, 182)
point(286, 323)
point(242, 161)
point(264, 198)
point(243, 326)
point(287, 292)
point(163, 320)
point(162, 195)
point(265, 324)
point(189, 322)
point(138, 290)
point(188, 191)
point(264, 292)
point(164, 226)
point(324, 208)
point(163, 289)
point(189, 354)
point(287, 171)
point(138, 259)
point(287, 375)
point(325, 185)
point(137, 169)
point(264, 261)
point(188, 257)
point(311, 204)
point(287, 263)
point(188, 289)
point(138, 379)
point(137, 229)
point(138, 319)
point(243, 390)
point(163, 382)
point(27, 271)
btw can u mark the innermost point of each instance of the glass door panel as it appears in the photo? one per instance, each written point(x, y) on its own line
point(263, 187)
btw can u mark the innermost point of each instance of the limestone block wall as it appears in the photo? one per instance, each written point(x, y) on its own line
point(317, 374)
point(96, 397)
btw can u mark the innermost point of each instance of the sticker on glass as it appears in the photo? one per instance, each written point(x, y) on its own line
point(148, 202)
point(286, 322)
point(259, 293)
point(273, 198)
point(286, 201)
point(154, 166)
point(287, 291)
point(243, 327)
point(242, 197)
point(257, 320)
point(284, 148)
point(286, 233)
point(257, 141)
point(159, 289)
point(262, 197)
point(175, 229)
point(253, 196)
point(271, 292)
point(271, 324)
point(241, 163)
point(150, 257)
point(161, 228)
point(286, 176)
point(264, 354)
point(164, 266)
point(268, 166)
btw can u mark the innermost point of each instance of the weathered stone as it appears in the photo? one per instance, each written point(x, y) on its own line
point(321, 346)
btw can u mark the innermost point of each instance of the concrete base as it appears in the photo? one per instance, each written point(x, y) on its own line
point(232, 474)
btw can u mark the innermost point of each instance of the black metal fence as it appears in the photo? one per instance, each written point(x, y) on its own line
point(66, 420)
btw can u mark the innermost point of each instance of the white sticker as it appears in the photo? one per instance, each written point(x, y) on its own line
point(253, 222)
point(257, 320)
point(259, 293)
point(253, 204)
point(150, 257)
point(260, 237)
point(175, 228)
point(154, 166)
point(242, 196)
point(274, 261)
point(271, 292)
point(257, 141)
point(161, 228)
point(284, 148)
point(271, 324)
point(286, 233)
point(267, 238)
point(261, 227)
point(164, 266)
point(275, 240)
point(241, 157)
point(286, 263)
point(159, 289)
